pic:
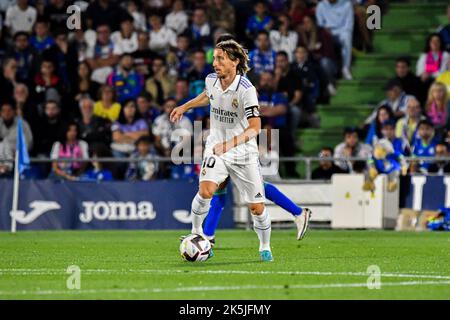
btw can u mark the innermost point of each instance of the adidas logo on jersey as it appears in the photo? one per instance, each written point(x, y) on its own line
point(258, 196)
point(211, 97)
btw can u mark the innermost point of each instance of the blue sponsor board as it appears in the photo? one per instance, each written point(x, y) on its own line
point(425, 192)
point(53, 205)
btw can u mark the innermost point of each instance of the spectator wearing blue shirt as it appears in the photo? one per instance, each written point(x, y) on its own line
point(262, 58)
point(41, 40)
point(125, 80)
point(25, 56)
point(384, 114)
point(401, 145)
point(147, 109)
point(99, 170)
point(182, 96)
point(259, 21)
point(200, 70)
point(425, 145)
point(444, 32)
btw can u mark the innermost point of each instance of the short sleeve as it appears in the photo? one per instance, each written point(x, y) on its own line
point(115, 126)
point(250, 103)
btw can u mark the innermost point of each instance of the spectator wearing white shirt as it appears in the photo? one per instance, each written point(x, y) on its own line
point(284, 39)
point(177, 19)
point(161, 37)
point(139, 19)
point(20, 17)
point(125, 40)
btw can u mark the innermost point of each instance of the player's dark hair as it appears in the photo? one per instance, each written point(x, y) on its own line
point(264, 32)
point(20, 34)
point(425, 122)
point(235, 52)
point(144, 139)
point(427, 44)
point(225, 37)
point(406, 60)
point(283, 53)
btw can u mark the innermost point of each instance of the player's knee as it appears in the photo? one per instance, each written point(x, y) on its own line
point(207, 191)
point(256, 209)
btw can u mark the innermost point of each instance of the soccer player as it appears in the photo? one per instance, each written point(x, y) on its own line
point(231, 149)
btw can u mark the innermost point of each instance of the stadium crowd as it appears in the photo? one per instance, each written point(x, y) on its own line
point(106, 89)
point(414, 116)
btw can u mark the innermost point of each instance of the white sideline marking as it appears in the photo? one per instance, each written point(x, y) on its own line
point(32, 272)
point(220, 288)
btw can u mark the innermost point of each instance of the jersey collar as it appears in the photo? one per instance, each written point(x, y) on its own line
point(233, 86)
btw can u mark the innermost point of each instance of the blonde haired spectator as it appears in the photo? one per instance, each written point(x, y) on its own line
point(437, 105)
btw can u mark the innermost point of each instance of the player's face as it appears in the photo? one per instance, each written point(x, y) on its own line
point(383, 116)
point(351, 139)
point(222, 64)
point(143, 148)
point(401, 68)
point(388, 132)
point(425, 132)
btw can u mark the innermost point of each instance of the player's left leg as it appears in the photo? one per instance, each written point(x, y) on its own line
point(215, 212)
point(249, 182)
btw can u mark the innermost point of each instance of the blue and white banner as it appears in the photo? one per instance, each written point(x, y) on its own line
point(52, 205)
point(425, 192)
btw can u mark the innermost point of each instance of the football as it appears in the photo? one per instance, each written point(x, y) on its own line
point(195, 248)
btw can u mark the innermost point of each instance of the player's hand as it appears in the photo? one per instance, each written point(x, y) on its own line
point(221, 148)
point(177, 114)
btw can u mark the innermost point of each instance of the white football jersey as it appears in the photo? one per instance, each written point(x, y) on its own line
point(230, 111)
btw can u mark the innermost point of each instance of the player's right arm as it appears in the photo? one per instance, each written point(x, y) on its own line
point(200, 101)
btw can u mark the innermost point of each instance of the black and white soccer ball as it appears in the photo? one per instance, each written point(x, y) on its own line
point(195, 248)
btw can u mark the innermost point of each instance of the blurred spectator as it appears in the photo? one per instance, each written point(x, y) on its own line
point(146, 168)
point(8, 79)
point(127, 130)
point(85, 85)
point(125, 80)
point(351, 147)
point(320, 45)
point(440, 167)
point(338, 17)
point(396, 99)
point(433, 61)
point(92, 129)
point(444, 78)
point(327, 168)
point(139, 19)
point(384, 113)
point(20, 17)
point(182, 62)
point(288, 82)
point(163, 129)
point(259, 21)
point(200, 30)
point(48, 129)
point(6, 154)
point(263, 57)
point(198, 73)
point(47, 81)
point(104, 12)
point(401, 145)
point(182, 95)
point(406, 127)
point(101, 55)
point(298, 11)
point(283, 38)
point(161, 84)
point(363, 33)
point(107, 106)
point(99, 170)
point(41, 40)
point(56, 14)
point(444, 32)
point(437, 106)
point(424, 145)
point(125, 40)
point(222, 15)
point(69, 147)
point(161, 37)
point(147, 110)
point(25, 56)
point(144, 56)
point(24, 107)
point(410, 83)
point(307, 70)
point(177, 20)
point(8, 127)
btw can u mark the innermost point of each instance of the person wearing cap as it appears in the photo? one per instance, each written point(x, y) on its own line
point(351, 147)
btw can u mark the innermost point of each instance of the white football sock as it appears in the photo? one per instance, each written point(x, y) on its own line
point(263, 227)
point(200, 208)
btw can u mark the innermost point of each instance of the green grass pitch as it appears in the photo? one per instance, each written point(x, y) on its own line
point(147, 265)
